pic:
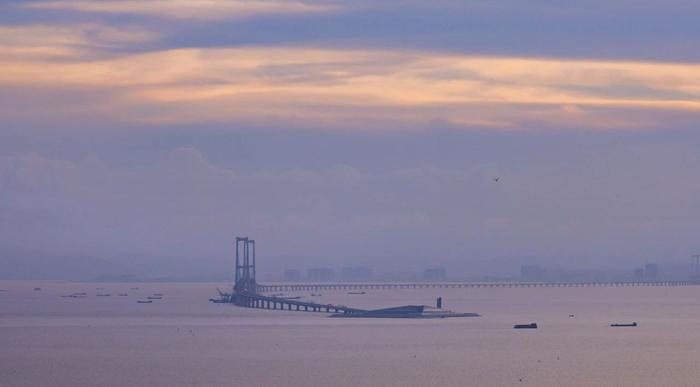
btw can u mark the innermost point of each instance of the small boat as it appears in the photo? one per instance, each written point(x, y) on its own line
point(123, 294)
point(316, 294)
point(155, 298)
point(104, 295)
point(357, 292)
point(158, 294)
point(134, 288)
point(144, 301)
point(37, 289)
point(634, 324)
point(525, 326)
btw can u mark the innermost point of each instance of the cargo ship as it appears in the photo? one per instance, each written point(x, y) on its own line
point(525, 326)
point(634, 324)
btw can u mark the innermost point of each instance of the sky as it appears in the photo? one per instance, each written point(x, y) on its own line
point(141, 137)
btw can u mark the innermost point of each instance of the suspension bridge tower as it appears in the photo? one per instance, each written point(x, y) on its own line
point(245, 266)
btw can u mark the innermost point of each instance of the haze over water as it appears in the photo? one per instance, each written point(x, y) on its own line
point(182, 340)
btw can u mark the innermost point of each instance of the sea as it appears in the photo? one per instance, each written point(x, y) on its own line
point(104, 337)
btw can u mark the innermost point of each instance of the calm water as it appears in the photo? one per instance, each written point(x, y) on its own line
point(182, 340)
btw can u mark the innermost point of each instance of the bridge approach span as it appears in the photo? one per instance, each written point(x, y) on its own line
point(263, 288)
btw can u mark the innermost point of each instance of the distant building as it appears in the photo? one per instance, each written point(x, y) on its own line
point(651, 272)
point(356, 274)
point(639, 274)
point(319, 274)
point(434, 274)
point(292, 275)
point(531, 273)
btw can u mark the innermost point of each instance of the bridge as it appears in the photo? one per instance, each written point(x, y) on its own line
point(466, 285)
point(248, 293)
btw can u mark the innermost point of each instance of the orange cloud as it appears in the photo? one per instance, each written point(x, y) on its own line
point(363, 88)
point(186, 9)
point(67, 42)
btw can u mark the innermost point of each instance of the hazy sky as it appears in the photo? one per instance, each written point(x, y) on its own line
point(142, 136)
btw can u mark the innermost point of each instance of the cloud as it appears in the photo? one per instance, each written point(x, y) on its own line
point(87, 41)
point(634, 200)
point(186, 9)
point(120, 74)
point(88, 89)
point(367, 88)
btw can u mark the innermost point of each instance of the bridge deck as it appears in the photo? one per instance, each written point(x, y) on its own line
point(256, 300)
point(470, 285)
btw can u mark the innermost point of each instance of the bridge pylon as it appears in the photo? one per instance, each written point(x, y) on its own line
point(245, 266)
